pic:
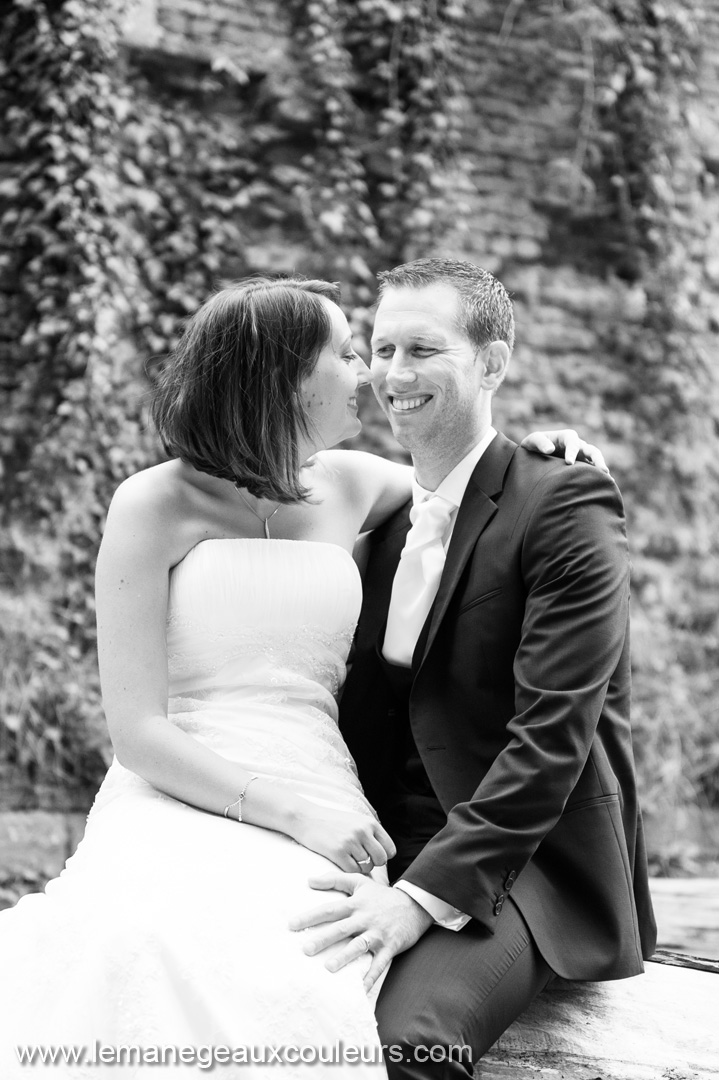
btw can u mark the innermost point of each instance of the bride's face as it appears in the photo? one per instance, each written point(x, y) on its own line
point(329, 394)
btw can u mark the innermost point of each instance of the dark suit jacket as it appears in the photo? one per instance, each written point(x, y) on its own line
point(520, 712)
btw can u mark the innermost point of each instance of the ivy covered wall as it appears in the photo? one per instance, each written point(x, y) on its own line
point(151, 150)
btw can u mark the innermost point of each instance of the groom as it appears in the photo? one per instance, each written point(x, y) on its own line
point(488, 703)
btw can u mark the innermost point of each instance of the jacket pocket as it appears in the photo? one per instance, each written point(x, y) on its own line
point(479, 600)
point(583, 804)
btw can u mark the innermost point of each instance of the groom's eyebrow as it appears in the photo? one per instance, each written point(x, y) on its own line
point(433, 337)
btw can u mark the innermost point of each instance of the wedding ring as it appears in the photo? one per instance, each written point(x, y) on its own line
point(365, 943)
point(363, 862)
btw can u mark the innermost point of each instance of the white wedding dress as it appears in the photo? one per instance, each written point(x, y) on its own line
point(168, 927)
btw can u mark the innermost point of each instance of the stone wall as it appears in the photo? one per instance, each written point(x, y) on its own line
point(252, 35)
point(542, 225)
point(536, 212)
point(532, 214)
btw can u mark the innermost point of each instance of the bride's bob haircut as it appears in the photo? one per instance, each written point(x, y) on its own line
point(227, 402)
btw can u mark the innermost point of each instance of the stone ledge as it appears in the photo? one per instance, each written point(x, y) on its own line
point(659, 1026)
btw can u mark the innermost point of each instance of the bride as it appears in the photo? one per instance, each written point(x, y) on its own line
point(227, 597)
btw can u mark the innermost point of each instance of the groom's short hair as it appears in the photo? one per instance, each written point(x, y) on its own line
point(485, 307)
point(227, 401)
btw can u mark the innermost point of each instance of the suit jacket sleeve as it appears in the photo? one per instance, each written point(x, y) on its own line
point(572, 550)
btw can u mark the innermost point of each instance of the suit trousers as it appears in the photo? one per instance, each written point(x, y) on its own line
point(446, 1000)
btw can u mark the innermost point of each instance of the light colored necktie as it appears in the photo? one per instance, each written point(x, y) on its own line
point(417, 578)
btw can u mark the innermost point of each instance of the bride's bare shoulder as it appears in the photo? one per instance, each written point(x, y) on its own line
point(164, 505)
point(159, 490)
point(377, 485)
point(155, 479)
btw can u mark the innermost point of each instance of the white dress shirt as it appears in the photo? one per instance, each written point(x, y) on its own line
point(452, 488)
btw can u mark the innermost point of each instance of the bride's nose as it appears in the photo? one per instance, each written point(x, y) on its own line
point(363, 373)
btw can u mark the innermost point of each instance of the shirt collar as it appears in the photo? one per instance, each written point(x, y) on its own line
point(455, 482)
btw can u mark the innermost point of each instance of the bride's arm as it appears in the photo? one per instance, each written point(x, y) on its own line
point(381, 487)
point(146, 534)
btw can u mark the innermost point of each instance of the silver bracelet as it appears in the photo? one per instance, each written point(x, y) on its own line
point(238, 800)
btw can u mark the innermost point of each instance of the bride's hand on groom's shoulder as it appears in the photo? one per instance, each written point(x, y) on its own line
point(371, 917)
point(575, 449)
point(354, 842)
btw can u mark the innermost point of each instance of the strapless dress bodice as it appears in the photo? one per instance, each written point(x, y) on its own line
point(258, 634)
point(261, 615)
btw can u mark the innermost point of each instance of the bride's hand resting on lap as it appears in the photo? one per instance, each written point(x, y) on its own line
point(354, 842)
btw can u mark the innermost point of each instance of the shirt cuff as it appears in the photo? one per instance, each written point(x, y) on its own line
point(443, 913)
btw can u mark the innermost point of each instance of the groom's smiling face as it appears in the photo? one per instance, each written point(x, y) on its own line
point(427, 374)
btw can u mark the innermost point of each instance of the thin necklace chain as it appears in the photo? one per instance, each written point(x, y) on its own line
point(265, 520)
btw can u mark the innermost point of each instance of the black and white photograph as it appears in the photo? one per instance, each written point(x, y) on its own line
point(359, 539)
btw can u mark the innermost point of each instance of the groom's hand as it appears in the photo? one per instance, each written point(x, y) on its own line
point(370, 918)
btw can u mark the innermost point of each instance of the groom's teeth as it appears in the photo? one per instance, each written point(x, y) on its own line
point(405, 404)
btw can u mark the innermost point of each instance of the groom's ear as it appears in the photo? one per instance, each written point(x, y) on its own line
point(495, 358)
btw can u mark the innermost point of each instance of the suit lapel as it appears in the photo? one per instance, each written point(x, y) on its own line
point(476, 510)
point(386, 548)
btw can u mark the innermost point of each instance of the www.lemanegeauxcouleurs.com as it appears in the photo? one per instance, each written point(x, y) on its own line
point(209, 1057)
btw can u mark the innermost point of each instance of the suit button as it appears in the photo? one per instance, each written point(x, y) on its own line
point(511, 878)
point(500, 904)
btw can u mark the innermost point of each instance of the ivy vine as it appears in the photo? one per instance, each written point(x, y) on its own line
point(390, 109)
point(128, 196)
point(410, 85)
point(651, 165)
point(122, 213)
point(641, 156)
point(70, 426)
